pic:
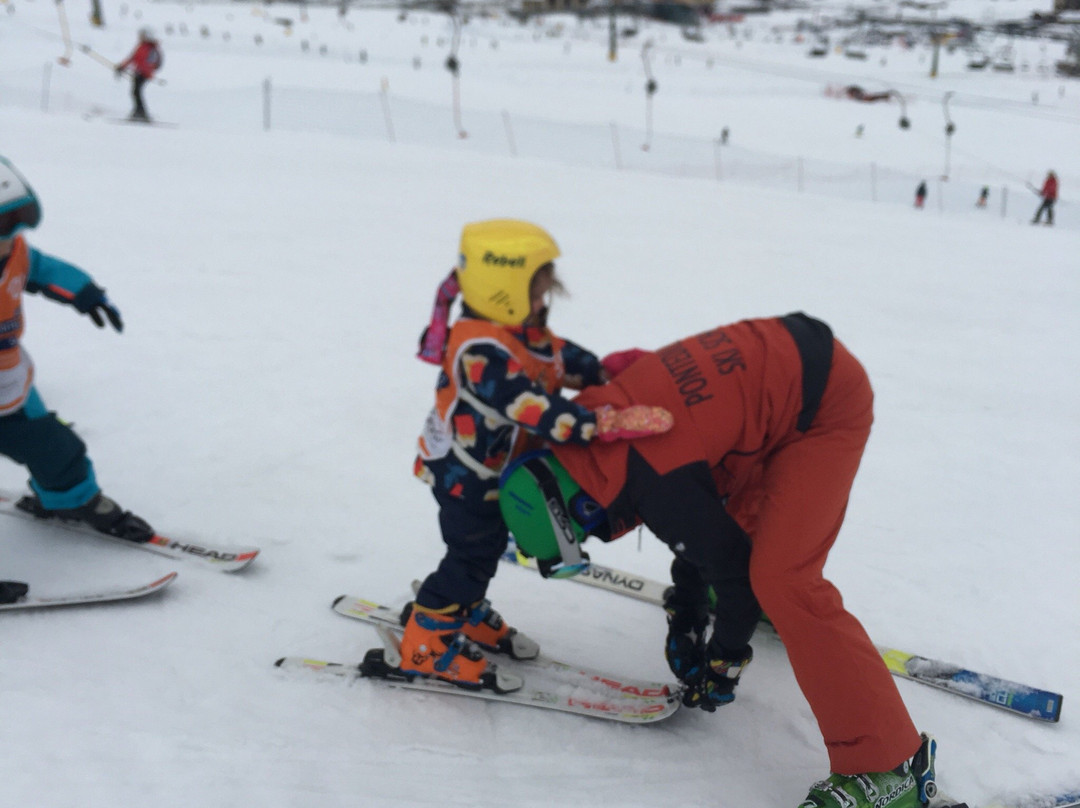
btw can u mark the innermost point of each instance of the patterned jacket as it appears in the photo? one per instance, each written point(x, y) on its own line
point(498, 394)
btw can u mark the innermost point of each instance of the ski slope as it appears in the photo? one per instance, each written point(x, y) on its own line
point(264, 391)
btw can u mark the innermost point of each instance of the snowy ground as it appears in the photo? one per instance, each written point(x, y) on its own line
point(264, 391)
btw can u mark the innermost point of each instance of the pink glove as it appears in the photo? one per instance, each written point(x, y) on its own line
point(615, 363)
point(638, 421)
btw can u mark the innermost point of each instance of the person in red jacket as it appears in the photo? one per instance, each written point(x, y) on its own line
point(144, 62)
point(1049, 194)
point(749, 489)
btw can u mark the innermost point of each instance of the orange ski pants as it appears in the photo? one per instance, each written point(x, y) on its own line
point(800, 502)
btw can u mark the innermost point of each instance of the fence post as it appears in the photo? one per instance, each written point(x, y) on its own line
point(873, 182)
point(385, 98)
point(615, 145)
point(509, 133)
point(46, 79)
point(266, 104)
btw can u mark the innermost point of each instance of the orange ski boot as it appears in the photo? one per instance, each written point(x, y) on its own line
point(433, 645)
point(485, 627)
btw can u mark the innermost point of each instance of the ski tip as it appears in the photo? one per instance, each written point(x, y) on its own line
point(165, 580)
point(279, 662)
point(240, 561)
point(338, 600)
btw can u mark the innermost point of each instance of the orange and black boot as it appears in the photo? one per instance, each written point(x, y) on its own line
point(434, 645)
point(485, 627)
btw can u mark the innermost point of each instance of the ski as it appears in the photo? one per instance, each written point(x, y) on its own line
point(138, 122)
point(225, 559)
point(1065, 799)
point(601, 577)
point(1012, 696)
point(547, 691)
point(547, 683)
point(1017, 698)
point(105, 596)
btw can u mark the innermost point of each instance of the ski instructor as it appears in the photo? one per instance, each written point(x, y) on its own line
point(749, 489)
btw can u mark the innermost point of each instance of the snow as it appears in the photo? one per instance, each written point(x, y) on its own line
point(264, 391)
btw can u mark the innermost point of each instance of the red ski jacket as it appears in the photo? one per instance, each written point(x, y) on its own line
point(146, 59)
point(1050, 188)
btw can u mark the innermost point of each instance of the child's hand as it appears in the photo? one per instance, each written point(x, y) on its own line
point(638, 421)
point(91, 300)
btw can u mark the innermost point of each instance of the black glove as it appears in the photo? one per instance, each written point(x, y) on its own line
point(685, 644)
point(91, 300)
point(721, 673)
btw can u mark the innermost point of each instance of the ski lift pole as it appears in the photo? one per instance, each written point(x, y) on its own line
point(650, 91)
point(613, 33)
point(950, 128)
point(454, 67)
point(65, 32)
point(905, 122)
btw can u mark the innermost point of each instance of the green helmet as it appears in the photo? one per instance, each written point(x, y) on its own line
point(548, 513)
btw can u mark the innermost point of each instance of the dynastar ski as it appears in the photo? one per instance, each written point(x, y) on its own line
point(1021, 699)
point(225, 559)
point(101, 596)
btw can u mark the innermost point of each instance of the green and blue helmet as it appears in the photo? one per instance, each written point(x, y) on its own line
point(19, 207)
point(548, 513)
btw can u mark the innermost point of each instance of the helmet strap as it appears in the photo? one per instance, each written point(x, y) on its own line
point(571, 559)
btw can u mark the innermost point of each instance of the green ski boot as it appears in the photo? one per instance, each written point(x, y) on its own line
point(909, 785)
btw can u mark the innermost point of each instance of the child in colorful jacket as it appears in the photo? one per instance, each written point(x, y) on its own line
point(497, 394)
point(61, 475)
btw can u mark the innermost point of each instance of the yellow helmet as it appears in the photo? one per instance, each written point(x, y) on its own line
point(498, 260)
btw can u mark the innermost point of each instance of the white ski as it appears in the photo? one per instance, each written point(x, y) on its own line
point(104, 596)
point(225, 559)
point(546, 683)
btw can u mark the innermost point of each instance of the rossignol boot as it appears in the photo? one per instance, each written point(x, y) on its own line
point(434, 645)
point(100, 513)
point(910, 785)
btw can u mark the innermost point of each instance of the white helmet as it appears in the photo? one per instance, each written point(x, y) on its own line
point(19, 207)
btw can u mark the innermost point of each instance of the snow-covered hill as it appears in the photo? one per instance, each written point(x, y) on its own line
point(264, 391)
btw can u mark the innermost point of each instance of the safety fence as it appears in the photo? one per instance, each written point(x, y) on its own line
point(386, 117)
